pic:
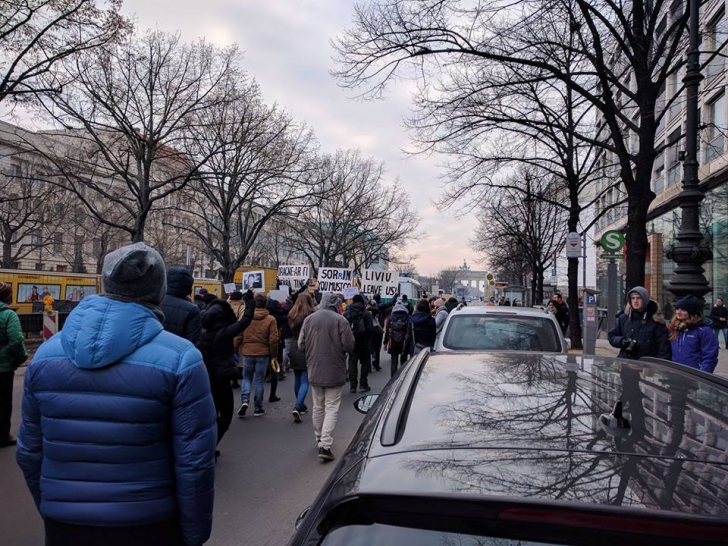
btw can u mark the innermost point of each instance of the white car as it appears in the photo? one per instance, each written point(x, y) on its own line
point(501, 329)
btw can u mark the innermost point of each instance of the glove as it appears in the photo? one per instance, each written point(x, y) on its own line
point(624, 343)
point(274, 365)
point(248, 295)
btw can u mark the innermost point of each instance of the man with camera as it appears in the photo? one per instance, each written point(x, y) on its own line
point(640, 330)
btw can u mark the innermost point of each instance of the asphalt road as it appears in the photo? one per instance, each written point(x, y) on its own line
point(267, 474)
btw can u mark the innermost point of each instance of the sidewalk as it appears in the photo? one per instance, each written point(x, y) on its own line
point(605, 349)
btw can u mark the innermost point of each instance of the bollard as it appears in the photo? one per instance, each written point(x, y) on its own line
point(50, 319)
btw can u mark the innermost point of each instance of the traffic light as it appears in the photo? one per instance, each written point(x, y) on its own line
point(491, 279)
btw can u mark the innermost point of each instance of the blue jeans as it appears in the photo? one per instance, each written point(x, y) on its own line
point(300, 388)
point(254, 366)
point(725, 335)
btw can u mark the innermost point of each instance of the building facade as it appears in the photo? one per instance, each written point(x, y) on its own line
point(665, 215)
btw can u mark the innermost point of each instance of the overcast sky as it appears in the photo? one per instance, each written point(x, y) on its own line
point(286, 49)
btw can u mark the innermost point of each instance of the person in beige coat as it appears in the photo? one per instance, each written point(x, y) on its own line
point(259, 346)
point(326, 338)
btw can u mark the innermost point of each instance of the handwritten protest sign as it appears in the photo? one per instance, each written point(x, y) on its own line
point(350, 292)
point(229, 288)
point(294, 275)
point(385, 283)
point(335, 279)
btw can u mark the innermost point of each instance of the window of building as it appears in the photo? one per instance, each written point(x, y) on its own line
point(715, 110)
point(673, 156)
point(658, 177)
point(61, 268)
point(714, 38)
point(16, 171)
point(36, 237)
point(57, 242)
point(39, 267)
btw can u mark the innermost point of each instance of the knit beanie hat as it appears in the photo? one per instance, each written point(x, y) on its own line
point(236, 296)
point(439, 302)
point(6, 293)
point(358, 298)
point(691, 304)
point(135, 272)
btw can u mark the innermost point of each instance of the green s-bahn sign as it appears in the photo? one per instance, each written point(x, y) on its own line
point(613, 241)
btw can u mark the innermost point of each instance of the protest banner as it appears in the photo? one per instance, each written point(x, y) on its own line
point(350, 292)
point(294, 275)
point(384, 283)
point(335, 279)
point(279, 295)
point(254, 280)
point(229, 288)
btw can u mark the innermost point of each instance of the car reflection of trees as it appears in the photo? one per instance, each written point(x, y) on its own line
point(550, 413)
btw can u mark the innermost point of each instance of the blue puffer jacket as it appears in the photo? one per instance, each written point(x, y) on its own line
point(696, 347)
point(118, 423)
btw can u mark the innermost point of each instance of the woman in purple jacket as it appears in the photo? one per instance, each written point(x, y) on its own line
point(693, 342)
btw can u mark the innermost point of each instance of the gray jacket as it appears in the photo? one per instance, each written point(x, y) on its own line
point(440, 318)
point(325, 339)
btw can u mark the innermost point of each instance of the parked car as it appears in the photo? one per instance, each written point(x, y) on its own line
point(501, 329)
point(531, 449)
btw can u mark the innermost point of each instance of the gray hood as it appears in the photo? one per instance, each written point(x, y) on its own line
point(330, 301)
point(642, 293)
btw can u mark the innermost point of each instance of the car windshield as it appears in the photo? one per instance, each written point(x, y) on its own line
point(494, 332)
point(365, 535)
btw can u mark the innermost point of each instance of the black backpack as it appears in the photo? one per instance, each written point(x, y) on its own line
point(357, 324)
point(398, 328)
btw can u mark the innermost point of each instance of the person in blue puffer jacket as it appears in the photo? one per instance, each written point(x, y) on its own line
point(117, 437)
point(693, 342)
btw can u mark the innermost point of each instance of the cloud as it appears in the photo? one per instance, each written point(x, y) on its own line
point(287, 50)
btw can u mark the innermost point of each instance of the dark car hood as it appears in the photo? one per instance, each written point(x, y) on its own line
point(632, 481)
point(554, 402)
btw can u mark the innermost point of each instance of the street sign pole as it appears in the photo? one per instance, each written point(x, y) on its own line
point(612, 295)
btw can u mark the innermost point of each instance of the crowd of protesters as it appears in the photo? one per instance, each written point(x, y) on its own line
point(126, 407)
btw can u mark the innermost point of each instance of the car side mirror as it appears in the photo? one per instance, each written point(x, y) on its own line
point(365, 403)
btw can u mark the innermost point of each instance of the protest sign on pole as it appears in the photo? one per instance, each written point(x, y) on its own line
point(294, 275)
point(254, 280)
point(384, 283)
point(335, 279)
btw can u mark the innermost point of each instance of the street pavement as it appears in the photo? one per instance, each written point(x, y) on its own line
point(267, 474)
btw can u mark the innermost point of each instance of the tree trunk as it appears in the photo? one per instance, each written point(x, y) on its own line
point(8, 250)
point(636, 233)
point(574, 322)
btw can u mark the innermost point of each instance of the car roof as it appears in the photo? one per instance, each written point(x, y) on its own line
point(528, 425)
point(501, 310)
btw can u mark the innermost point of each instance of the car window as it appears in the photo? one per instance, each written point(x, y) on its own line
point(494, 332)
point(366, 535)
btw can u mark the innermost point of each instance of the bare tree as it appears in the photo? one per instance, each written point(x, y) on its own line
point(449, 277)
point(126, 111)
point(36, 34)
point(28, 208)
point(359, 218)
point(257, 169)
point(630, 50)
point(531, 226)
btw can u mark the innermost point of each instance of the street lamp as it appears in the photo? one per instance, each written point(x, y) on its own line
point(691, 252)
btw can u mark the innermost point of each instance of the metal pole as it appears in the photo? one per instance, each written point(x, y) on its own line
point(691, 252)
point(583, 257)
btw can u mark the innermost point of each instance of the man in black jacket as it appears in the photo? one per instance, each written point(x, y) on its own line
point(562, 312)
point(719, 316)
point(362, 325)
point(640, 331)
point(181, 316)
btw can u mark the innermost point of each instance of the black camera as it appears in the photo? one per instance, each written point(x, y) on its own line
point(629, 345)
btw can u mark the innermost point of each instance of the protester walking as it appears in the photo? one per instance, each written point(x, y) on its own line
point(238, 306)
point(258, 347)
point(181, 316)
point(221, 326)
point(396, 336)
point(325, 339)
point(117, 437)
point(562, 312)
point(441, 314)
point(375, 341)
point(692, 340)
point(303, 307)
point(719, 318)
point(640, 330)
point(423, 328)
point(12, 355)
point(360, 359)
